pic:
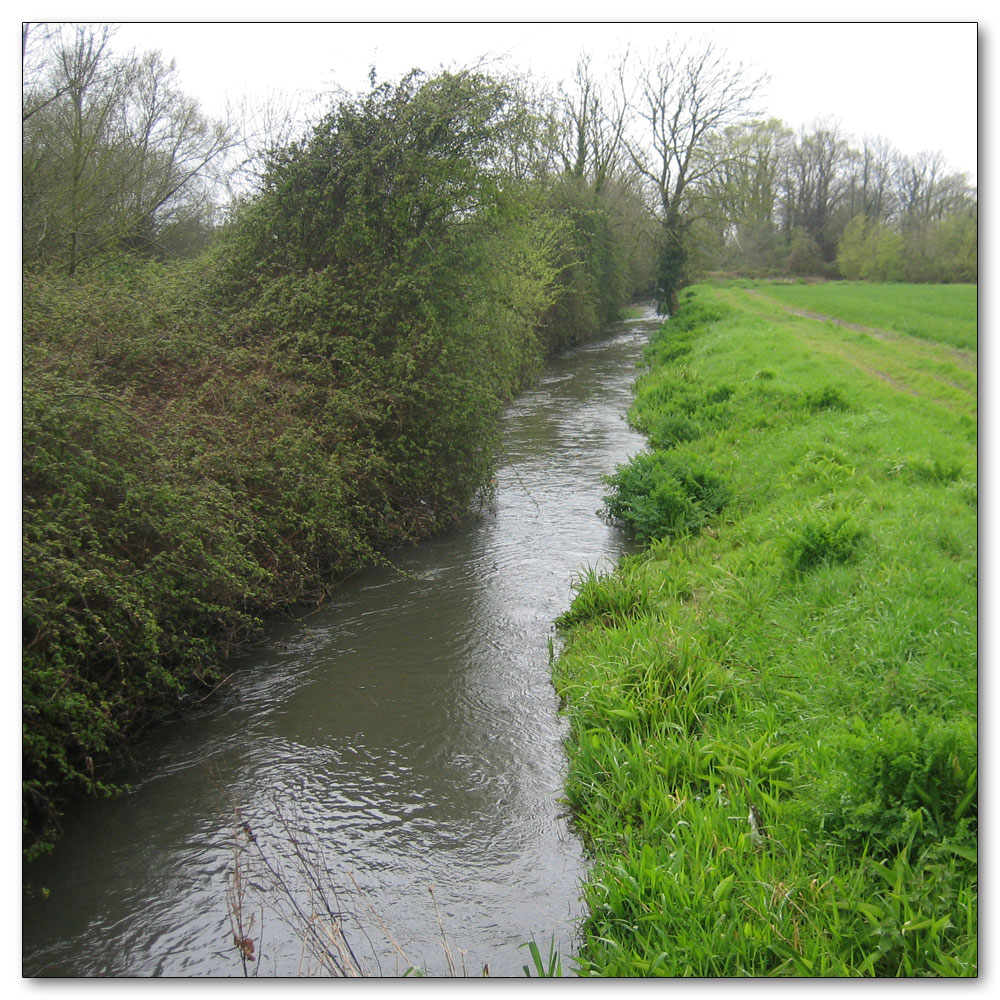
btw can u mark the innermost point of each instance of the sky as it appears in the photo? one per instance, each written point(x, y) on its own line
point(914, 83)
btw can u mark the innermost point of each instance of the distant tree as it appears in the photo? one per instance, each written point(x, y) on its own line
point(739, 198)
point(870, 191)
point(114, 156)
point(925, 190)
point(814, 187)
point(683, 99)
point(958, 242)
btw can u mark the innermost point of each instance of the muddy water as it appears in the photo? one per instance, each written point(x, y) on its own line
point(406, 736)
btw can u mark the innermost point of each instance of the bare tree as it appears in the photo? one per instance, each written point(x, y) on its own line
point(593, 122)
point(683, 98)
point(113, 154)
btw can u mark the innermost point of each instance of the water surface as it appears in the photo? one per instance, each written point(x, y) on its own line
point(408, 730)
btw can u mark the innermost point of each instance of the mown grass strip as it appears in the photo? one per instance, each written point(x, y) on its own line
point(773, 707)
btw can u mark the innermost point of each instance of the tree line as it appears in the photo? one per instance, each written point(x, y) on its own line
point(817, 203)
point(236, 394)
point(115, 157)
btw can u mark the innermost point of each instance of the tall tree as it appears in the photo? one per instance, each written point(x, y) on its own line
point(739, 199)
point(683, 99)
point(815, 186)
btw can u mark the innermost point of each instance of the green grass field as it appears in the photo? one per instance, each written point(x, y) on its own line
point(773, 706)
point(942, 313)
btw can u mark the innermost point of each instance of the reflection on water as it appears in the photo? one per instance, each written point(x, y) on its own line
point(409, 729)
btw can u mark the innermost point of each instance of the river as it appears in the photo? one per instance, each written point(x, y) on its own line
point(401, 747)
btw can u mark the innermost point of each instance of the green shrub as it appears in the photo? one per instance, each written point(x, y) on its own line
point(823, 540)
point(695, 313)
point(677, 335)
point(658, 495)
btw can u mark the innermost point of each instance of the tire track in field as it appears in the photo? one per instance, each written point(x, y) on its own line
point(964, 358)
point(920, 347)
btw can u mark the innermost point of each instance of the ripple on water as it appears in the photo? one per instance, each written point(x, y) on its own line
point(406, 734)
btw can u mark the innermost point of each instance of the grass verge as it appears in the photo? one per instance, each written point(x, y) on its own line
point(773, 707)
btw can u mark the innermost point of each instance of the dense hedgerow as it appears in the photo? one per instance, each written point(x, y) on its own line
point(211, 442)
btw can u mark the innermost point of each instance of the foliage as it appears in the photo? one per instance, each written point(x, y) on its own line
point(820, 203)
point(805, 256)
point(390, 252)
point(869, 250)
point(593, 253)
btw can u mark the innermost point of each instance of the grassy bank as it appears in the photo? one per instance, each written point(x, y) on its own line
point(773, 707)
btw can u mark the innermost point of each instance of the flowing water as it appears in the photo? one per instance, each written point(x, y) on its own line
point(408, 730)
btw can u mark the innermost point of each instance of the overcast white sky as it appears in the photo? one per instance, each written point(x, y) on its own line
point(915, 83)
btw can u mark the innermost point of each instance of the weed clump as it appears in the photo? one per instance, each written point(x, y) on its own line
point(659, 495)
point(937, 471)
point(823, 541)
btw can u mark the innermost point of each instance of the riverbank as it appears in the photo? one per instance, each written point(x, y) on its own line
point(773, 707)
point(212, 440)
